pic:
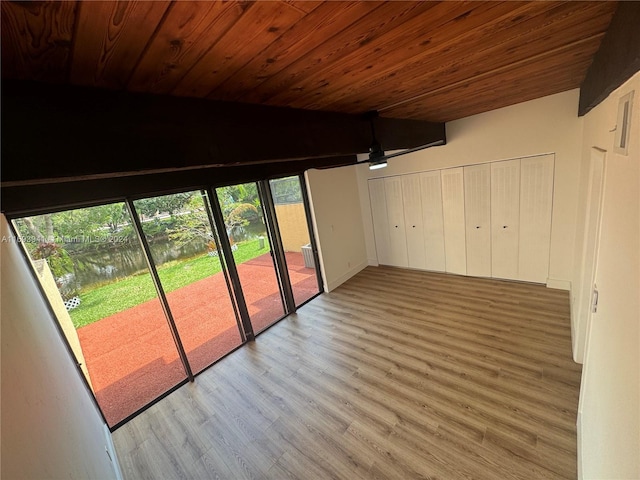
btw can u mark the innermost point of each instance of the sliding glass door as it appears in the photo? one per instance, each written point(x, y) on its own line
point(185, 249)
point(93, 270)
point(246, 231)
point(151, 291)
point(293, 225)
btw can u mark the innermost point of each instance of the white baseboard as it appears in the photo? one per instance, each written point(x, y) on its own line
point(373, 262)
point(559, 284)
point(335, 283)
point(111, 452)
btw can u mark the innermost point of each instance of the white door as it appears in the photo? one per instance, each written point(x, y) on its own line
point(536, 202)
point(395, 215)
point(412, 201)
point(454, 225)
point(584, 297)
point(505, 215)
point(431, 191)
point(380, 221)
point(477, 207)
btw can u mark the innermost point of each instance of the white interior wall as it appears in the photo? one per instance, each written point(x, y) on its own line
point(50, 426)
point(545, 125)
point(609, 412)
point(337, 221)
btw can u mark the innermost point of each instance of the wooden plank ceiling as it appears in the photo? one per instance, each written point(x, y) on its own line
point(435, 61)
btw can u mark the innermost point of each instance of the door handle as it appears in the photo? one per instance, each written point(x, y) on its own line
point(594, 302)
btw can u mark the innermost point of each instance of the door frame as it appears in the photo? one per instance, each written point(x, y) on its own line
point(597, 160)
point(589, 256)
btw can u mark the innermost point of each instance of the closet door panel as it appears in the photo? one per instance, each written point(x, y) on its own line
point(431, 192)
point(505, 218)
point(380, 220)
point(412, 201)
point(477, 207)
point(454, 224)
point(536, 203)
point(395, 214)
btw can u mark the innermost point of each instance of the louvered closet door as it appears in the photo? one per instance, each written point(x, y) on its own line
point(454, 224)
point(412, 201)
point(477, 208)
point(380, 220)
point(536, 202)
point(395, 215)
point(505, 216)
point(431, 191)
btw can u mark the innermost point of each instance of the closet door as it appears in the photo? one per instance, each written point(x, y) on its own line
point(505, 215)
point(536, 202)
point(412, 201)
point(431, 191)
point(454, 225)
point(395, 215)
point(380, 220)
point(477, 207)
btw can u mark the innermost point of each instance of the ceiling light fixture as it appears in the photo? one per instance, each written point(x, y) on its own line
point(376, 165)
point(377, 157)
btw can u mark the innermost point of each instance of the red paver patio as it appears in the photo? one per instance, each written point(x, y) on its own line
point(131, 356)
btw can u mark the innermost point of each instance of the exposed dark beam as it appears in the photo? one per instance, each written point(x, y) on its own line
point(617, 59)
point(39, 198)
point(52, 132)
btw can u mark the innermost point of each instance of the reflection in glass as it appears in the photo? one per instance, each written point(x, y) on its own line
point(247, 233)
point(294, 233)
point(93, 270)
point(186, 254)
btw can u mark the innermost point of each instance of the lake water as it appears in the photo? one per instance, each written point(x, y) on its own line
point(112, 261)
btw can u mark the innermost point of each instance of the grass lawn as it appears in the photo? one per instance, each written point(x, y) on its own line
point(105, 300)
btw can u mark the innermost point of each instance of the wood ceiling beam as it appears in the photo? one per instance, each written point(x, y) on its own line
point(51, 132)
point(617, 59)
point(64, 194)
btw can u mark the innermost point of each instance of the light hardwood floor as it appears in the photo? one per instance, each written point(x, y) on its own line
point(396, 374)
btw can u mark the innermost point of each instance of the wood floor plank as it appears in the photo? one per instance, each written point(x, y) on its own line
point(396, 374)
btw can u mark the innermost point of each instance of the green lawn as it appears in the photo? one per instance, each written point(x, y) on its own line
point(105, 300)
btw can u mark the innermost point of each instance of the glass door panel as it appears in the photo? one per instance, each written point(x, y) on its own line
point(294, 233)
point(94, 272)
point(245, 227)
point(184, 247)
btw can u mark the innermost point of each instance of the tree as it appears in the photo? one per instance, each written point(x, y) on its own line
point(233, 195)
point(150, 207)
point(286, 190)
point(40, 228)
point(39, 236)
point(57, 237)
point(114, 215)
point(240, 205)
point(192, 223)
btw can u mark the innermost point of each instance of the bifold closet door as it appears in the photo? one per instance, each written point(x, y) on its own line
point(395, 215)
point(505, 218)
point(380, 220)
point(454, 223)
point(536, 203)
point(431, 191)
point(412, 200)
point(477, 207)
